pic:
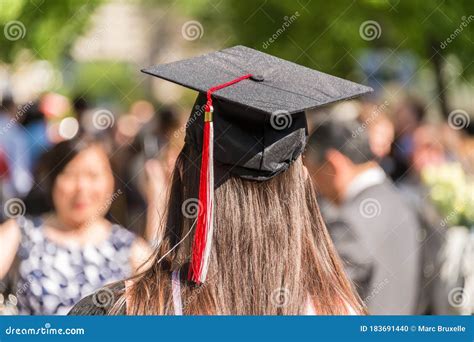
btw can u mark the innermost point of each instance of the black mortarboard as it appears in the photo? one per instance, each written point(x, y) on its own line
point(258, 121)
point(257, 127)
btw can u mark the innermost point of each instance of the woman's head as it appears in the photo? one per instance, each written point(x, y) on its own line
point(80, 180)
point(271, 253)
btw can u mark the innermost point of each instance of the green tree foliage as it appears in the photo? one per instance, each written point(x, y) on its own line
point(46, 28)
point(329, 35)
point(326, 33)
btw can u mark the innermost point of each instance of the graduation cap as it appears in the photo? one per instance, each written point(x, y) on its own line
point(253, 125)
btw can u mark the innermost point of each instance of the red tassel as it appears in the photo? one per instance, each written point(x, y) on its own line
point(205, 220)
point(204, 227)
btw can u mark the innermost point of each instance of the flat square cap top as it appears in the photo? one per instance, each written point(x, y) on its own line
point(277, 85)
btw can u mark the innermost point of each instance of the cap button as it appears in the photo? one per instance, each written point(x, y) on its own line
point(257, 78)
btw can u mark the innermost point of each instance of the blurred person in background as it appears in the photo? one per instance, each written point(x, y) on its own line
point(148, 166)
point(375, 231)
point(80, 107)
point(35, 126)
point(73, 250)
point(427, 150)
point(159, 164)
point(16, 151)
point(408, 115)
point(381, 132)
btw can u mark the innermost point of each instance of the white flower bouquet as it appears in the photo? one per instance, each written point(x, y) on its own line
point(452, 192)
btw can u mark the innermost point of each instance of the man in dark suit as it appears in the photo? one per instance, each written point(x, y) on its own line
point(374, 231)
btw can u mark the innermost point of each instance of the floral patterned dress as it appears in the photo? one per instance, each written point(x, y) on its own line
point(53, 277)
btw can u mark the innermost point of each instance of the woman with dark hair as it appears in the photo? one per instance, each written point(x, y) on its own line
point(72, 251)
point(243, 234)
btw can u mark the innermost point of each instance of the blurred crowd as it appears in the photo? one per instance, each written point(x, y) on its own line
point(31, 130)
point(66, 163)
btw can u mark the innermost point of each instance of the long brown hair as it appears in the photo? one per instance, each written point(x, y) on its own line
point(271, 252)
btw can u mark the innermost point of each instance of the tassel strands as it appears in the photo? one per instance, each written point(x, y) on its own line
point(205, 221)
point(204, 228)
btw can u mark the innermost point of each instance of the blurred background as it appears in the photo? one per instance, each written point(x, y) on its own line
point(71, 68)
